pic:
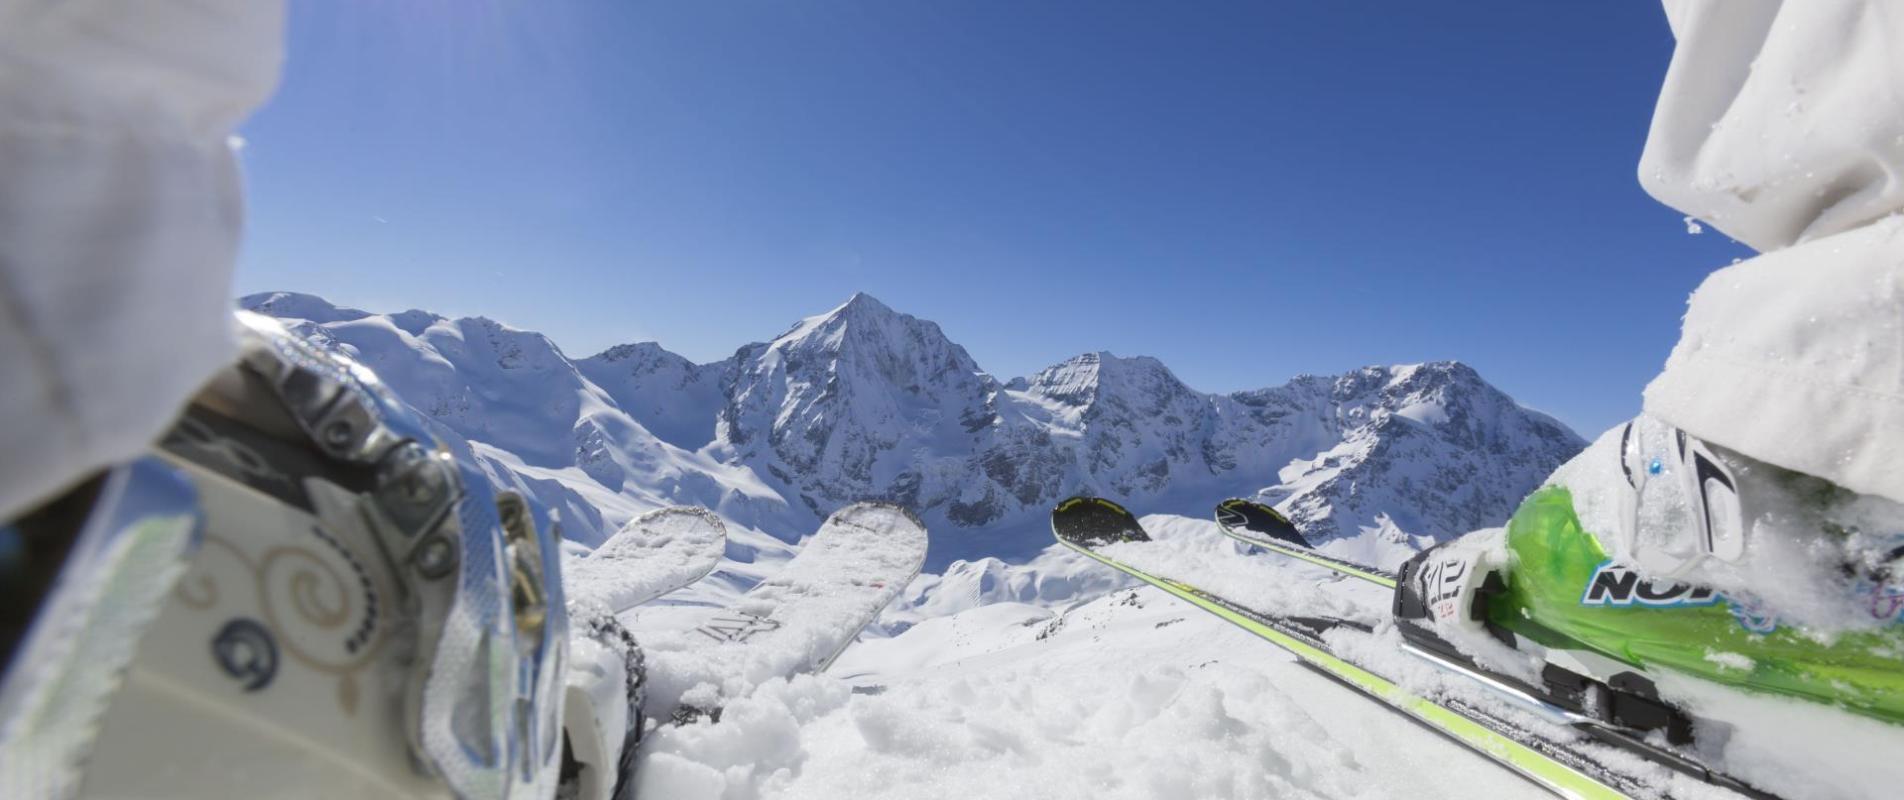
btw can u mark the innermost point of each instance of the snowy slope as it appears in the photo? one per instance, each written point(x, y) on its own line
point(1133, 697)
point(1130, 695)
point(669, 395)
point(533, 416)
point(1136, 694)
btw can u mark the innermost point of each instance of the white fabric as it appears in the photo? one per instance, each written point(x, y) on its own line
point(1782, 125)
point(1796, 358)
point(1781, 122)
point(119, 220)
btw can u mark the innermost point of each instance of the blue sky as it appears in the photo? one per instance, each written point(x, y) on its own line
point(1247, 190)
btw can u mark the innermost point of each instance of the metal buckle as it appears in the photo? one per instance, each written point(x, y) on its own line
point(1715, 527)
point(479, 578)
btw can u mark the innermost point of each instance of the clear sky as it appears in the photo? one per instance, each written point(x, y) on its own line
point(1247, 190)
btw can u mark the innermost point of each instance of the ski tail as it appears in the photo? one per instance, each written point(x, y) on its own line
point(1085, 521)
point(1257, 518)
point(1257, 524)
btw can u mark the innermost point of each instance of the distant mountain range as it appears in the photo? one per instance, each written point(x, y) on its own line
point(866, 402)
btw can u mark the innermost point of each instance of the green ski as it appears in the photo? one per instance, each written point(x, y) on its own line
point(1563, 760)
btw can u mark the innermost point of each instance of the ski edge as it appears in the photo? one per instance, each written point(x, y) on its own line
point(1375, 575)
point(1544, 771)
point(1379, 577)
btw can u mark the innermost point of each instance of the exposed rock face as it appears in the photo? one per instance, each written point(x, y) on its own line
point(859, 402)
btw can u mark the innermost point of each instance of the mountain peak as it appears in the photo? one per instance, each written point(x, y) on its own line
point(639, 351)
point(297, 305)
point(864, 309)
point(862, 302)
point(861, 311)
point(1104, 364)
point(1081, 379)
point(861, 307)
point(1439, 370)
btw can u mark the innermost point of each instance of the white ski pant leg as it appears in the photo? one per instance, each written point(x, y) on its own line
point(1796, 358)
point(119, 220)
point(1781, 124)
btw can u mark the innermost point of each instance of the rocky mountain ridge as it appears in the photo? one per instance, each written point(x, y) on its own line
point(867, 402)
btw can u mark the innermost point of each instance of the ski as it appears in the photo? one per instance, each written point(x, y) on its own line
point(797, 621)
point(1262, 526)
point(1559, 750)
point(654, 554)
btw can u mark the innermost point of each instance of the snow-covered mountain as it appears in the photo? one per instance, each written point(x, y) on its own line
point(866, 402)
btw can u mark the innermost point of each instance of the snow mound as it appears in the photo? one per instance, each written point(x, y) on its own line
point(1057, 577)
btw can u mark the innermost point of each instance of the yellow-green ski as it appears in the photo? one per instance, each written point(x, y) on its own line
point(1560, 764)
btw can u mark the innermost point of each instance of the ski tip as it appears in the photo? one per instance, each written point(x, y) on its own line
point(1237, 514)
point(673, 527)
point(1090, 521)
point(666, 513)
point(900, 532)
point(1071, 504)
point(878, 507)
point(682, 524)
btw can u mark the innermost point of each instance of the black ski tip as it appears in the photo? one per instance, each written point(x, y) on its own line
point(1092, 521)
point(1237, 513)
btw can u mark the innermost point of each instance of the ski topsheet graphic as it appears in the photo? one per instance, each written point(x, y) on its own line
point(655, 553)
point(1265, 527)
point(798, 620)
point(1564, 753)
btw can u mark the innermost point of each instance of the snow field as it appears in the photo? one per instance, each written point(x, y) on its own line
point(1002, 679)
point(1131, 695)
point(1128, 695)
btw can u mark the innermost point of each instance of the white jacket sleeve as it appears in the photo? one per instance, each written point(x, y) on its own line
point(119, 220)
point(1782, 125)
point(1781, 122)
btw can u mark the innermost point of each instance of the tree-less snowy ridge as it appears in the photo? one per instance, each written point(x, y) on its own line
point(863, 402)
point(1011, 664)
